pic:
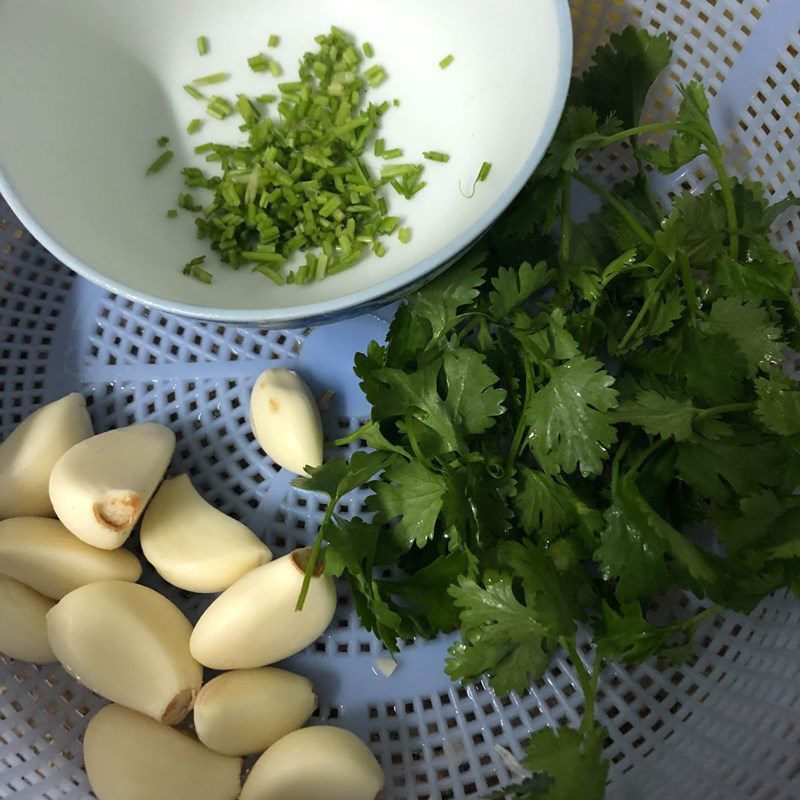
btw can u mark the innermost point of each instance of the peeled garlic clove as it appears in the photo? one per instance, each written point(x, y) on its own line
point(192, 544)
point(320, 763)
point(43, 554)
point(285, 420)
point(129, 644)
point(254, 623)
point(248, 710)
point(23, 631)
point(131, 757)
point(100, 487)
point(28, 455)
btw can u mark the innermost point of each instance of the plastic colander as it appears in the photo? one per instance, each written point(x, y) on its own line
point(725, 725)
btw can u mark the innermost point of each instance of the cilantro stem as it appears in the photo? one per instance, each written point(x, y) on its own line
point(715, 156)
point(687, 280)
point(588, 682)
point(730, 408)
point(519, 432)
point(645, 454)
point(619, 207)
point(648, 303)
point(566, 231)
point(314, 557)
point(618, 456)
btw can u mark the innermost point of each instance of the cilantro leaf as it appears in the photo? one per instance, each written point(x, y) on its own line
point(338, 477)
point(573, 759)
point(768, 275)
point(568, 417)
point(545, 505)
point(512, 287)
point(628, 637)
point(751, 522)
point(712, 366)
point(580, 130)
point(696, 226)
point(472, 399)
point(748, 324)
point(744, 463)
point(658, 415)
point(778, 406)
point(411, 496)
point(555, 340)
point(443, 298)
point(351, 545)
point(498, 633)
point(694, 135)
point(621, 74)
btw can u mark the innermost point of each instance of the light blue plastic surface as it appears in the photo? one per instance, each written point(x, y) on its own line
point(726, 726)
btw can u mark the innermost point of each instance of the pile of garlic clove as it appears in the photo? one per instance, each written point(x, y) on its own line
point(69, 593)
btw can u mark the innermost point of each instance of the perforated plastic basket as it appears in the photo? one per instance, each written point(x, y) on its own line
point(726, 725)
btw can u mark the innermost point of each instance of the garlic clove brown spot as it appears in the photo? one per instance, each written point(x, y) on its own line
point(100, 487)
point(193, 545)
point(254, 623)
point(319, 763)
point(28, 455)
point(43, 554)
point(129, 644)
point(286, 421)
point(129, 756)
point(246, 711)
point(23, 630)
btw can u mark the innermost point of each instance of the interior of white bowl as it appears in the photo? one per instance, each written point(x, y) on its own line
point(86, 88)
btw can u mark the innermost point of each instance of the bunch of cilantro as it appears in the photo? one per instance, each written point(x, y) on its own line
point(552, 415)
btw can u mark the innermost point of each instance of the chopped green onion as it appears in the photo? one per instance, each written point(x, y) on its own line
point(160, 162)
point(275, 68)
point(395, 152)
point(369, 50)
point(193, 269)
point(486, 168)
point(380, 147)
point(189, 89)
point(274, 40)
point(404, 235)
point(194, 126)
point(266, 98)
point(379, 249)
point(219, 108)
point(258, 63)
point(202, 45)
point(375, 75)
point(446, 61)
point(207, 80)
point(435, 155)
point(267, 272)
point(396, 102)
point(397, 170)
point(162, 141)
point(173, 212)
point(267, 258)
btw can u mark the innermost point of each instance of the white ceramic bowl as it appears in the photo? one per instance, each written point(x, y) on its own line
point(87, 86)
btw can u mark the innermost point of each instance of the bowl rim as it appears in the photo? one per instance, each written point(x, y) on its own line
point(300, 316)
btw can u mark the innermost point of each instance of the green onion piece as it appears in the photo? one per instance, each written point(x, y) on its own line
point(266, 98)
point(207, 80)
point(162, 141)
point(202, 45)
point(274, 40)
point(189, 89)
point(369, 50)
point(172, 213)
point(396, 102)
point(486, 168)
point(267, 258)
point(397, 170)
point(395, 152)
point(380, 147)
point(435, 155)
point(219, 107)
point(275, 68)
point(267, 272)
point(160, 162)
point(193, 269)
point(379, 249)
point(404, 235)
point(446, 61)
point(258, 63)
point(291, 86)
point(375, 75)
point(194, 126)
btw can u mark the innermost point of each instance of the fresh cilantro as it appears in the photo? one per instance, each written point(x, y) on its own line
point(553, 417)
